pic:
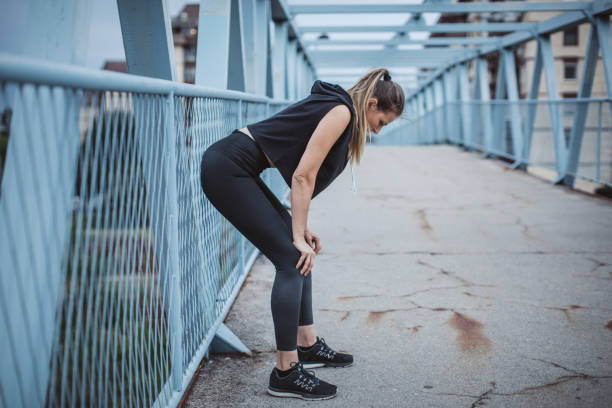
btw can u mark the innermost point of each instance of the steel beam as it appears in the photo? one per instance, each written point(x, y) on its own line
point(403, 58)
point(248, 38)
point(499, 109)
point(439, 106)
point(457, 8)
point(429, 109)
point(407, 41)
point(483, 94)
point(281, 13)
point(463, 85)
point(450, 99)
point(236, 70)
point(548, 62)
point(513, 99)
point(532, 107)
point(604, 32)
point(279, 61)
point(553, 24)
point(212, 57)
point(580, 115)
point(437, 28)
point(261, 50)
point(291, 67)
point(147, 38)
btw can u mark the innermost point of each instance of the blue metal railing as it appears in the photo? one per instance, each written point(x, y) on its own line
point(487, 127)
point(116, 270)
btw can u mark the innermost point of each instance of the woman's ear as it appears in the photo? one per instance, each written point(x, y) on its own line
point(373, 103)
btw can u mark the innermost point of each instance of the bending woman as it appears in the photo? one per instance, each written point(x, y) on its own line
point(310, 143)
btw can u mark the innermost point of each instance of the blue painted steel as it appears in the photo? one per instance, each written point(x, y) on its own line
point(226, 341)
point(36, 28)
point(548, 62)
point(484, 96)
point(31, 70)
point(147, 38)
point(536, 76)
point(595, 163)
point(131, 319)
point(580, 115)
point(173, 271)
point(47, 30)
point(553, 24)
point(261, 46)
point(434, 7)
point(437, 28)
point(428, 58)
point(291, 64)
point(604, 32)
point(464, 96)
point(499, 115)
point(236, 69)
point(507, 59)
point(450, 98)
point(404, 40)
point(440, 120)
point(279, 60)
point(248, 38)
point(212, 57)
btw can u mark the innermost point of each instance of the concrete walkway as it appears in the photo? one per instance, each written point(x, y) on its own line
point(454, 281)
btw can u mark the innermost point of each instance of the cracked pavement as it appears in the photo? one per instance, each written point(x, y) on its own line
point(454, 281)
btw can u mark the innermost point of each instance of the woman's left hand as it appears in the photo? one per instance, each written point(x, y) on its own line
point(313, 240)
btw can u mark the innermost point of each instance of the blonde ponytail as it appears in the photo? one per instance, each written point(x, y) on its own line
point(375, 83)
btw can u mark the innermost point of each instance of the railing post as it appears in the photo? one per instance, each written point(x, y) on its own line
point(174, 272)
point(513, 104)
point(580, 115)
point(499, 109)
point(466, 108)
point(548, 63)
point(484, 96)
point(241, 120)
point(532, 106)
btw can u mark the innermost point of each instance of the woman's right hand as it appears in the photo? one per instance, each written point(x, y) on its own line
point(307, 258)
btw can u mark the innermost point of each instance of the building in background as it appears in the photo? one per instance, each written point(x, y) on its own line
point(116, 66)
point(185, 33)
point(185, 37)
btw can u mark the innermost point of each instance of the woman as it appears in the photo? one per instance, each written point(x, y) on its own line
point(310, 143)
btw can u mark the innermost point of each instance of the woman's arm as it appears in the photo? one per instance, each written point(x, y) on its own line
point(327, 132)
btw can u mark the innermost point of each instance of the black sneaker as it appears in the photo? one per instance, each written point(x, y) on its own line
point(300, 383)
point(320, 355)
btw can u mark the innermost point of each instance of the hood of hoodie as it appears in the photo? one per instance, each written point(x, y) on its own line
point(326, 88)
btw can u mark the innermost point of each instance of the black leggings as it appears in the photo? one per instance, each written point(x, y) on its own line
point(230, 178)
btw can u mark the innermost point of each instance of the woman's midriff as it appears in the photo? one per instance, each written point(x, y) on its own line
point(245, 130)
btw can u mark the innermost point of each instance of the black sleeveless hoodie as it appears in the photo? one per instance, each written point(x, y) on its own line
point(283, 137)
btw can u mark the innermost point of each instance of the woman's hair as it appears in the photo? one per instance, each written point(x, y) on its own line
point(376, 83)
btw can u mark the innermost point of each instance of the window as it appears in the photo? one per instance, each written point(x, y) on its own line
point(570, 69)
point(570, 36)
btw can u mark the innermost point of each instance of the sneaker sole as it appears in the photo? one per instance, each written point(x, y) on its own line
point(308, 397)
point(319, 365)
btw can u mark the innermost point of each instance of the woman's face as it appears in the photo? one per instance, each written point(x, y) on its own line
point(377, 119)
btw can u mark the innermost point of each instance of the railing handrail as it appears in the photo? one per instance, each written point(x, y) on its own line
point(531, 101)
point(33, 70)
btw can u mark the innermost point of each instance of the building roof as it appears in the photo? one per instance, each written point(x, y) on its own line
point(117, 66)
point(188, 17)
